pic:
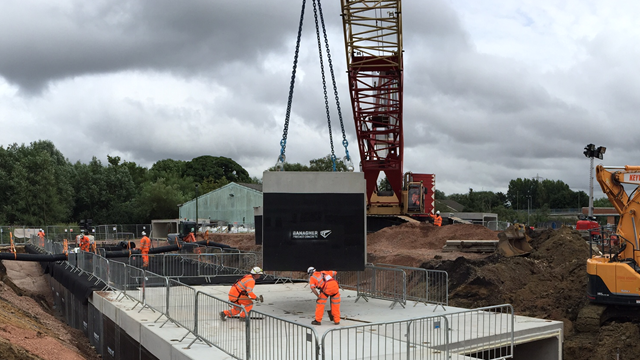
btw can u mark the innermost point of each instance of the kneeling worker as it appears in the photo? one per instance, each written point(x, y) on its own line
point(241, 293)
point(323, 285)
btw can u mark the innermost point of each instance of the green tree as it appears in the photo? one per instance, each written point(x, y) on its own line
point(523, 193)
point(326, 164)
point(204, 167)
point(601, 202)
point(320, 164)
point(35, 182)
point(210, 184)
point(158, 200)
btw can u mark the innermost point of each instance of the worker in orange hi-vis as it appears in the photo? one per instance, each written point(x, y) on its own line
point(41, 236)
point(324, 285)
point(437, 219)
point(241, 293)
point(85, 244)
point(190, 238)
point(145, 245)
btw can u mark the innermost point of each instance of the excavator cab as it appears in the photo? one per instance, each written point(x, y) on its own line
point(514, 241)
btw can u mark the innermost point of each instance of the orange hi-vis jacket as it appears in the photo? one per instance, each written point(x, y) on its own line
point(190, 238)
point(243, 288)
point(145, 244)
point(437, 219)
point(85, 244)
point(325, 282)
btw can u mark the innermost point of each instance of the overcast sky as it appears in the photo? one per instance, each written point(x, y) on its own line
point(493, 90)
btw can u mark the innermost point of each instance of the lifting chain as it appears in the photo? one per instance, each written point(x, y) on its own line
point(345, 143)
point(283, 143)
point(317, 7)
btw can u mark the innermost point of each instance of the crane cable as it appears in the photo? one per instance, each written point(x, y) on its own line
point(317, 7)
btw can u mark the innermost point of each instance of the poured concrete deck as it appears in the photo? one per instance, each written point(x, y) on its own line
point(534, 338)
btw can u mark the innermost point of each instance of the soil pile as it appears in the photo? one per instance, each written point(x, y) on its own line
point(29, 328)
point(411, 244)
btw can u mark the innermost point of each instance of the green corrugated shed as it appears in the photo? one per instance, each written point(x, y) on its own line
point(230, 203)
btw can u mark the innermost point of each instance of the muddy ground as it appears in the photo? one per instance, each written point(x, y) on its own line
point(550, 283)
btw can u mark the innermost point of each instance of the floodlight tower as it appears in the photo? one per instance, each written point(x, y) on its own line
point(592, 152)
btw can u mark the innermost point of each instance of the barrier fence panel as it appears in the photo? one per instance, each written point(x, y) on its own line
point(229, 336)
point(85, 261)
point(484, 333)
point(118, 278)
point(181, 307)
point(428, 338)
point(135, 283)
point(5, 235)
point(407, 339)
point(155, 291)
point(232, 262)
point(383, 283)
point(272, 338)
point(101, 267)
point(427, 286)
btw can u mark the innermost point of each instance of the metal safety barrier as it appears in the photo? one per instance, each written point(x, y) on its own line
point(181, 306)
point(299, 342)
point(425, 286)
point(483, 333)
point(228, 336)
point(423, 338)
point(376, 282)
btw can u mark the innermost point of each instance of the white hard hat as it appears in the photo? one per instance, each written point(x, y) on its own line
point(257, 270)
point(311, 270)
point(144, 233)
point(438, 212)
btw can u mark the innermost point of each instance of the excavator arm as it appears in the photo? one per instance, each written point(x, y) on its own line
point(614, 278)
point(611, 180)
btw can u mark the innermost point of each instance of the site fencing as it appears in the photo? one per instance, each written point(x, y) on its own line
point(483, 333)
point(425, 286)
point(198, 265)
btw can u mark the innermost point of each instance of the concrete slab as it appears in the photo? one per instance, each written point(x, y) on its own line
point(295, 304)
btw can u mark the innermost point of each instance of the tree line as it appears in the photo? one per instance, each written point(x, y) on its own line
point(39, 186)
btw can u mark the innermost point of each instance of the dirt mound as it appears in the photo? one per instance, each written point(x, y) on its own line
point(549, 283)
point(28, 326)
point(412, 244)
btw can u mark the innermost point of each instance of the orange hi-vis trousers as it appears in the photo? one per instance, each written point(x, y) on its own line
point(330, 290)
point(145, 257)
point(240, 300)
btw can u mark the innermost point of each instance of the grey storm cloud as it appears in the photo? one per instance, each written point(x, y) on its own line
point(105, 36)
point(492, 92)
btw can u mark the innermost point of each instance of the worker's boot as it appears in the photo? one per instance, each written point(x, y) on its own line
point(223, 317)
point(314, 322)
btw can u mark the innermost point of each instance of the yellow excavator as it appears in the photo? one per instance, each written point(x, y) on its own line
point(614, 275)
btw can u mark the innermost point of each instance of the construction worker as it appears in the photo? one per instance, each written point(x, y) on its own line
point(437, 219)
point(241, 293)
point(145, 245)
point(84, 243)
point(190, 238)
point(324, 285)
point(41, 236)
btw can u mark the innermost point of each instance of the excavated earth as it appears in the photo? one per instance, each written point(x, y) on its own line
point(549, 283)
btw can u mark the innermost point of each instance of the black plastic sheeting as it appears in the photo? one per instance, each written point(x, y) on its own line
point(33, 257)
point(36, 255)
point(81, 284)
